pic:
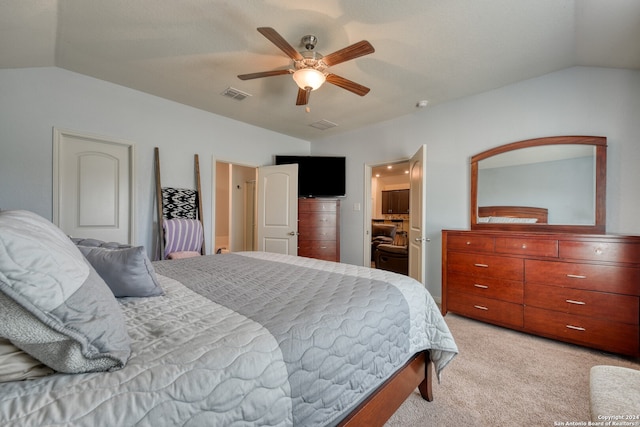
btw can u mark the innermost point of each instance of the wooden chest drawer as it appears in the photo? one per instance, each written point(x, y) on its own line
point(524, 246)
point(605, 278)
point(597, 333)
point(489, 287)
point(316, 233)
point(601, 251)
point(317, 205)
point(470, 243)
point(613, 307)
point(318, 249)
point(318, 219)
point(485, 265)
point(487, 309)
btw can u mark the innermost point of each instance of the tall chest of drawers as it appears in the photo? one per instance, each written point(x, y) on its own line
point(319, 228)
point(582, 289)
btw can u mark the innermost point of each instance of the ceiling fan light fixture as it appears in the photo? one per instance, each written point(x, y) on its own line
point(309, 77)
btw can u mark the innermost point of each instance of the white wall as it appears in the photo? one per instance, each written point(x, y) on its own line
point(588, 101)
point(576, 101)
point(34, 100)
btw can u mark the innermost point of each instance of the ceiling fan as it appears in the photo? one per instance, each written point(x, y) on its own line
point(310, 67)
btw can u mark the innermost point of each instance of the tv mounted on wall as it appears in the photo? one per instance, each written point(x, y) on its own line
point(318, 176)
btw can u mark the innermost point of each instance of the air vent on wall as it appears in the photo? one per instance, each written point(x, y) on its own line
point(323, 124)
point(234, 93)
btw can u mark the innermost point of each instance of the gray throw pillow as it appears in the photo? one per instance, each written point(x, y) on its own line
point(127, 270)
point(53, 304)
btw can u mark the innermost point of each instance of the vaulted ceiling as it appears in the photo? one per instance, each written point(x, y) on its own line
point(190, 51)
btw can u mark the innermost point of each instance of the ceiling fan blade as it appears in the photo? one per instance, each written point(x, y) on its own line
point(303, 96)
point(279, 41)
point(349, 85)
point(350, 52)
point(263, 74)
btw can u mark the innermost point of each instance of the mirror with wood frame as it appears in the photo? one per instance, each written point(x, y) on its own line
point(555, 184)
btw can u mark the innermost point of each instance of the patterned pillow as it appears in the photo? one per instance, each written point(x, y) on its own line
point(179, 203)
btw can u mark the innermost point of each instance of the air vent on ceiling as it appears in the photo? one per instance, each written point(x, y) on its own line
point(323, 124)
point(234, 93)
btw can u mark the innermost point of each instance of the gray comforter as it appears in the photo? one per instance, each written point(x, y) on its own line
point(247, 339)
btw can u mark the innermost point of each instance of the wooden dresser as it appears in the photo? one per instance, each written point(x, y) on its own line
point(582, 289)
point(319, 228)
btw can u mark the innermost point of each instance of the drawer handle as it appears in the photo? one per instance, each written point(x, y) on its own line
point(570, 301)
point(477, 285)
point(468, 243)
point(576, 276)
point(480, 307)
point(482, 265)
point(524, 246)
point(323, 247)
point(576, 328)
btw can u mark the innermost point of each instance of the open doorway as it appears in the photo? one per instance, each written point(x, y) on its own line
point(235, 208)
point(388, 215)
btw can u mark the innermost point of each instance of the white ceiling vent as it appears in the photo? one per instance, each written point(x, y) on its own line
point(236, 94)
point(323, 124)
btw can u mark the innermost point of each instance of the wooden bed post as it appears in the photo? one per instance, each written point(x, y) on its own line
point(386, 400)
point(426, 386)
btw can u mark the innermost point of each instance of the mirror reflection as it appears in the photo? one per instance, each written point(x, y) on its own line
point(558, 178)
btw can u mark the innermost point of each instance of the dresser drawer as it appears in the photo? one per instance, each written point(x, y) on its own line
point(598, 333)
point(612, 307)
point(605, 278)
point(470, 243)
point(318, 219)
point(524, 246)
point(490, 287)
point(601, 251)
point(479, 265)
point(487, 309)
point(317, 205)
point(318, 249)
point(316, 233)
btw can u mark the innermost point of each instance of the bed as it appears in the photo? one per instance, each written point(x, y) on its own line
point(247, 338)
point(512, 214)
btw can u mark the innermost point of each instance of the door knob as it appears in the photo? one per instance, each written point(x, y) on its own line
point(292, 233)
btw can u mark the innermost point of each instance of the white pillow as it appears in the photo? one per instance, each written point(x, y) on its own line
point(509, 219)
point(16, 365)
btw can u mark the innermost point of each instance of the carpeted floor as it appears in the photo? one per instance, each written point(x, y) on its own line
point(507, 378)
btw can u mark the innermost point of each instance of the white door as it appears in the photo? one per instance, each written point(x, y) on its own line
point(278, 209)
point(417, 219)
point(93, 187)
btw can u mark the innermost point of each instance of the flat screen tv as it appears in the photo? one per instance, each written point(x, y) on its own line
point(318, 176)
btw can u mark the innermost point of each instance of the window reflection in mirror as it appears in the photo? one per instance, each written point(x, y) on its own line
point(560, 178)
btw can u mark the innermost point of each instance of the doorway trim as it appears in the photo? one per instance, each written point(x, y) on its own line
point(368, 206)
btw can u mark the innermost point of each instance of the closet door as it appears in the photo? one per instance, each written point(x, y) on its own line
point(278, 209)
point(93, 187)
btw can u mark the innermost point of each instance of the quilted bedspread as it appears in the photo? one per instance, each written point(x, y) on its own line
point(247, 338)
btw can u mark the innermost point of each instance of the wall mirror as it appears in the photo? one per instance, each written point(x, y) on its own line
point(547, 184)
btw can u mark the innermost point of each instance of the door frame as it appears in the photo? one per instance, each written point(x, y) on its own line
point(368, 208)
point(214, 189)
point(59, 135)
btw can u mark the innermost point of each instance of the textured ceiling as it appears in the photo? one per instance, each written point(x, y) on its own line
point(190, 51)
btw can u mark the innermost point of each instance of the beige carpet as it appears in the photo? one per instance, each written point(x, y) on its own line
point(507, 378)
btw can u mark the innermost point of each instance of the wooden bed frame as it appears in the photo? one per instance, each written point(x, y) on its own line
point(386, 400)
point(541, 214)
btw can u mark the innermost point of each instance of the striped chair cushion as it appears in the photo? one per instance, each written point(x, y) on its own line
point(182, 235)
